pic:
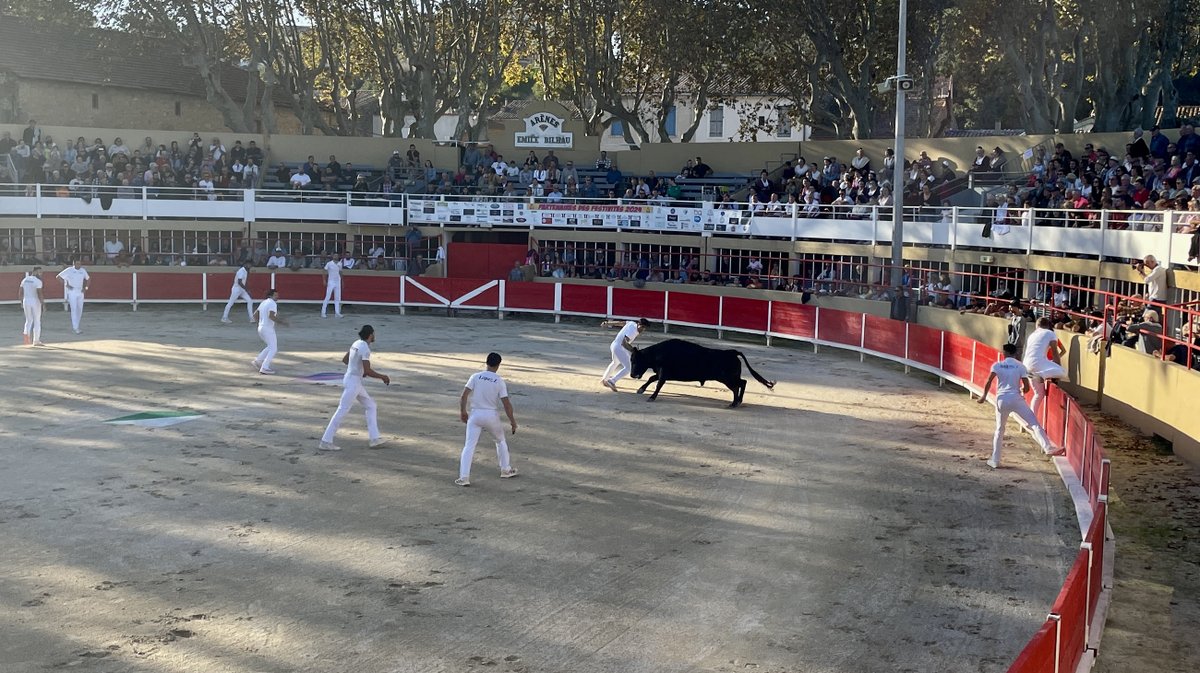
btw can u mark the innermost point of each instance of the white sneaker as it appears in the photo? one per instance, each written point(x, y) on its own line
point(610, 385)
point(266, 371)
point(509, 473)
point(1054, 451)
point(324, 316)
point(226, 320)
point(340, 315)
point(462, 482)
point(78, 332)
point(378, 441)
point(992, 464)
point(329, 446)
point(256, 364)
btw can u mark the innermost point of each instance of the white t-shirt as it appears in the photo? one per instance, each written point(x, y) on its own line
point(1036, 345)
point(630, 330)
point(74, 279)
point(113, 248)
point(30, 285)
point(277, 260)
point(487, 389)
point(334, 268)
point(264, 313)
point(301, 180)
point(1156, 281)
point(1009, 373)
point(240, 277)
point(359, 351)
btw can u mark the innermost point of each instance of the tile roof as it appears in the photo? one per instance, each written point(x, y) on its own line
point(38, 50)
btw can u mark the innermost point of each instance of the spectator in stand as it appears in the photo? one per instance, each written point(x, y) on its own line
point(300, 181)
point(763, 187)
point(412, 157)
point(1188, 141)
point(603, 163)
point(1146, 335)
point(250, 174)
point(1154, 275)
point(217, 150)
point(701, 170)
point(333, 171)
point(278, 260)
point(861, 163)
point(207, 187)
point(296, 261)
point(981, 163)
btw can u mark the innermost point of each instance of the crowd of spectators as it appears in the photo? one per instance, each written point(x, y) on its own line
point(83, 168)
point(1151, 175)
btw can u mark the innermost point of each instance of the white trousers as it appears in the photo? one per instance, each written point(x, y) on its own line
point(75, 302)
point(239, 293)
point(351, 392)
point(477, 422)
point(33, 320)
point(332, 290)
point(1039, 372)
point(266, 355)
point(1015, 404)
point(619, 366)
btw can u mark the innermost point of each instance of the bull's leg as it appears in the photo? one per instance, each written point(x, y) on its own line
point(657, 387)
point(741, 393)
point(650, 380)
point(734, 387)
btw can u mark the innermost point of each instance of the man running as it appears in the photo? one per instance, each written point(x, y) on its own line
point(75, 281)
point(358, 366)
point(486, 392)
point(620, 364)
point(1011, 375)
point(240, 291)
point(32, 302)
point(267, 315)
point(1043, 351)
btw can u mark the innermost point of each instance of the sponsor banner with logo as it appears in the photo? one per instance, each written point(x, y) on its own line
point(584, 216)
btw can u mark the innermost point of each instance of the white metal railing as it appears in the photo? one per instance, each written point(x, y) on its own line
point(1087, 233)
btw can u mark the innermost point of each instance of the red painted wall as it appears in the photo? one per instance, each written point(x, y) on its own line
point(491, 261)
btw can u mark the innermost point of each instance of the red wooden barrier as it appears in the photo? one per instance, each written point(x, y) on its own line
point(1071, 607)
point(795, 320)
point(1096, 536)
point(741, 313)
point(959, 351)
point(381, 290)
point(925, 345)
point(291, 287)
point(699, 309)
point(841, 327)
point(638, 303)
point(169, 286)
point(884, 335)
point(1038, 655)
point(591, 299)
point(529, 296)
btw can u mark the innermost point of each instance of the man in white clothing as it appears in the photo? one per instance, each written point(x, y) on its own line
point(75, 283)
point(1011, 375)
point(333, 287)
point(278, 260)
point(32, 302)
point(1043, 352)
point(113, 249)
point(485, 392)
point(240, 291)
point(358, 367)
point(267, 315)
point(1154, 275)
point(620, 364)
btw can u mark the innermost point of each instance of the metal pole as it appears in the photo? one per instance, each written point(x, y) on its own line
point(898, 305)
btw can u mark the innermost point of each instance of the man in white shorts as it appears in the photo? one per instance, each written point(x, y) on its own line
point(32, 302)
point(333, 287)
point(358, 366)
point(1011, 375)
point(620, 364)
point(486, 392)
point(267, 315)
point(75, 280)
point(240, 291)
point(1042, 351)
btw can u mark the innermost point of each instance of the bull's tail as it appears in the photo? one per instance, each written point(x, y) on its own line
point(756, 375)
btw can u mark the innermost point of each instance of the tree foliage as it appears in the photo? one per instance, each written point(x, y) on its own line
point(1034, 64)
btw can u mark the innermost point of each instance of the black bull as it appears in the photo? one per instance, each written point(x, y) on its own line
point(679, 360)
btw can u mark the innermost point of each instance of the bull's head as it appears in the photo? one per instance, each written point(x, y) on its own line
point(637, 363)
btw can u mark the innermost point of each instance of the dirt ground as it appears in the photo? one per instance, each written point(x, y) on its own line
point(844, 522)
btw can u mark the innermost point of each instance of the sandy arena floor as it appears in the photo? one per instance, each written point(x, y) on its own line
point(843, 523)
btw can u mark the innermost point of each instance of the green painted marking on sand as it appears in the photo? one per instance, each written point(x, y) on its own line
point(156, 419)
